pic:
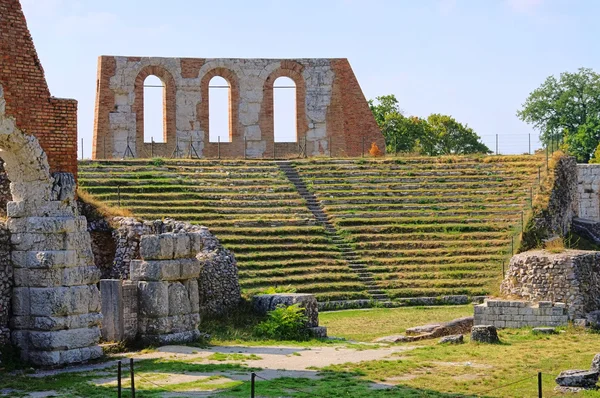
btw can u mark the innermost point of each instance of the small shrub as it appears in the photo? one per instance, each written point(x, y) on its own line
point(556, 245)
point(374, 151)
point(278, 289)
point(157, 162)
point(284, 323)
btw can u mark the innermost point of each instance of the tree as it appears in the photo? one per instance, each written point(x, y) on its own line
point(436, 135)
point(451, 137)
point(400, 133)
point(567, 109)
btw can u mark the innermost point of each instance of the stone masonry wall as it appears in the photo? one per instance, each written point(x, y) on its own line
point(518, 314)
point(331, 107)
point(571, 277)
point(6, 283)
point(219, 289)
point(555, 218)
point(588, 190)
point(52, 121)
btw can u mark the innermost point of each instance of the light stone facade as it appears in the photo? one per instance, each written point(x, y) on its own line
point(588, 189)
point(519, 314)
point(330, 107)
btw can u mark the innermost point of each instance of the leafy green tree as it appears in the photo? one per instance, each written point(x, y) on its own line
point(567, 109)
point(451, 137)
point(399, 131)
point(436, 135)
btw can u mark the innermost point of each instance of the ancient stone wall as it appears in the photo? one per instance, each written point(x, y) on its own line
point(555, 216)
point(331, 108)
point(588, 190)
point(571, 277)
point(519, 314)
point(219, 289)
point(51, 120)
point(6, 283)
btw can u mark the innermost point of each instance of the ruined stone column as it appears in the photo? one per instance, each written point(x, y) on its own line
point(56, 304)
point(167, 287)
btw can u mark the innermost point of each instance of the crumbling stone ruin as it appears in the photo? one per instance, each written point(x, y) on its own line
point(331, 108)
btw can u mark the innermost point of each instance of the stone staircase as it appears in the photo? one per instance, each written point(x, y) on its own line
point(348, 253)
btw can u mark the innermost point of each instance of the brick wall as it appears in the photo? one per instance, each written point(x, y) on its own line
point(519, 314)
point(331, 109)
point(52, 120)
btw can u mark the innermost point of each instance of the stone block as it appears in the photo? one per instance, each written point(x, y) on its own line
point(179, 300)
point(484, 334)
point(25, 241)
point(153, 299)
point(47, 323)
point(150, 247)
point(578, 378)
point(319, 332)
point(21, 304)
point(167, 246)
point(64, 339)
point(191, 286)
point(153, 326)
point(171, 338)
point(190, 268)
point(545, 304)
point(62, 301)
point(181, 245)
point(112, 309)
point(155, 270)
point(479, 309)
point(44, 259)
point(196, 243)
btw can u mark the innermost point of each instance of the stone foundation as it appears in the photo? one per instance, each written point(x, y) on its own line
point(570, 277)
point(519, 314)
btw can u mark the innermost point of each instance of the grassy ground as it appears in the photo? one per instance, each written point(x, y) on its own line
point(386, 321)
point(426, 370)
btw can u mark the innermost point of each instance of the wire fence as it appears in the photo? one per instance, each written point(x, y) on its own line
point(192, 148)
point(253, 385)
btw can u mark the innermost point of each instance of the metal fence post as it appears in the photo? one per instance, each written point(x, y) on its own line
point(119, 379)
point(330, 148)
point(245, 146)
point(152, 147)
point(119, 195)
point(539, 384)
point(132, 378)
point(496, 144)
point(273, 150)
point(529, 143)
point(503, 273)
point(219, 146)
point(252, 383)
point(512, 245)
point(82, 149)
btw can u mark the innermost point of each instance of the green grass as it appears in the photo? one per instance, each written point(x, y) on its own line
point(386, 321)
point(407, 212)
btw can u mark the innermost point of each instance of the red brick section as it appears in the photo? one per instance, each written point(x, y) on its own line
point(350, 106)
point(105, 101)
point(52, 120)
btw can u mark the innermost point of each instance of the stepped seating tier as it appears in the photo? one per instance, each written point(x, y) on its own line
point(340, 228)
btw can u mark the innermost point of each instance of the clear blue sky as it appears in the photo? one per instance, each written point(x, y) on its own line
point(476, 60)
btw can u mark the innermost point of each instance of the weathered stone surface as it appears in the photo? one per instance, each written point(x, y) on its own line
point(517, 314)
point(556, 218)
point(544, 331)
point(179, 299)
point(568, 277)
point(422, 329)
point(484, 334)
point(153, 299)
point(268, 302)
point(452, 339)
point(319, 332)
point(578, 378)
point(596, 363)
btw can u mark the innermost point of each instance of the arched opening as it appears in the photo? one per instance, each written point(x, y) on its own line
point(284, 110)
point(154, 110)
point(219, 110)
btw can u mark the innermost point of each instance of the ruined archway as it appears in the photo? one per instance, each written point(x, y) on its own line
point(55, 302)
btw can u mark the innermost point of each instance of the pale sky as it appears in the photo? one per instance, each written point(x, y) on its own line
point(476, 60)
